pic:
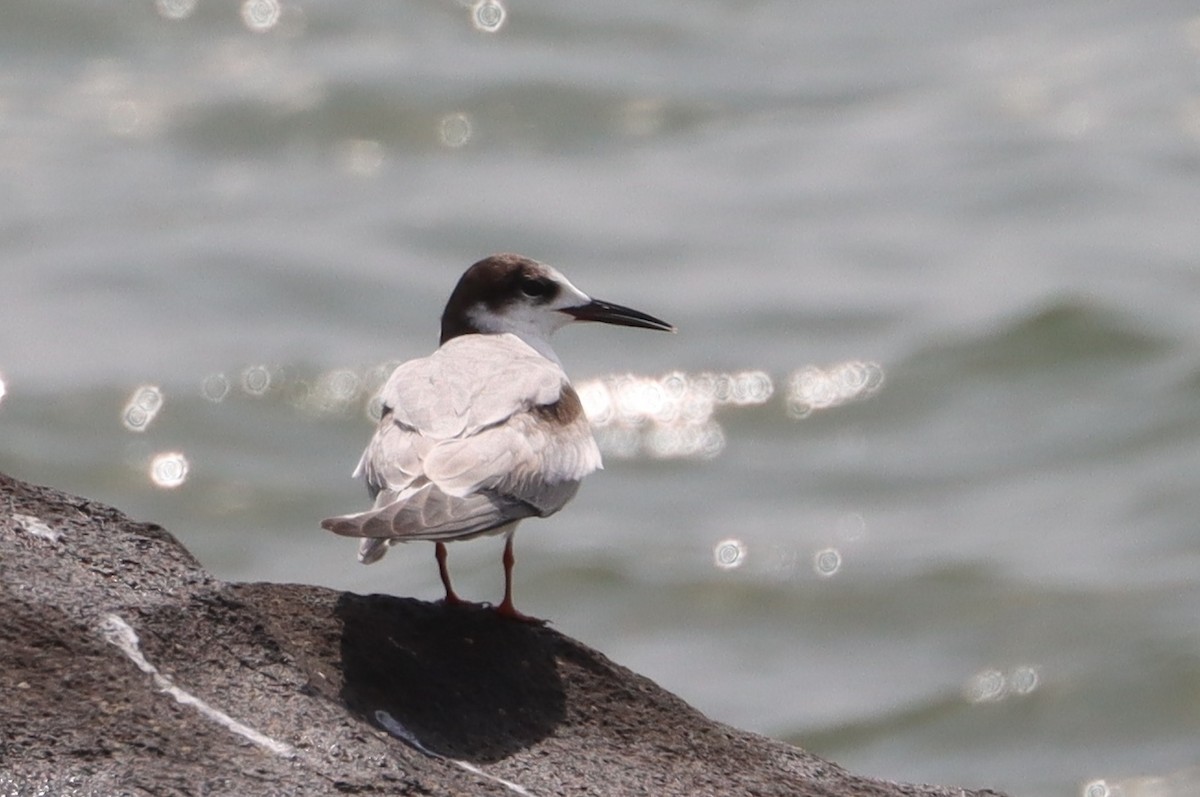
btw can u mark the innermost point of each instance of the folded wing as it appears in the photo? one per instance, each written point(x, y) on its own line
point(481, 434)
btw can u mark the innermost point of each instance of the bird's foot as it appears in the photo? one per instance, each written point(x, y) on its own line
point(508, 611)
point(454, 602)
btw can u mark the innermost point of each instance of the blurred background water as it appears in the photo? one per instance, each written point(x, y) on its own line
point(913, 487)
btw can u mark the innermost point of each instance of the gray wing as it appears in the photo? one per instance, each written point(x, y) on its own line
point(507, 440)
point(470, 383)
point(428, 513)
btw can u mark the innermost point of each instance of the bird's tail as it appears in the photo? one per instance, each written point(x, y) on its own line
point(372, 549)
point(426, 514)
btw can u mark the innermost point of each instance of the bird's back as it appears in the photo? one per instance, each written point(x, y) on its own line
point(482, 433)
point(469, 383)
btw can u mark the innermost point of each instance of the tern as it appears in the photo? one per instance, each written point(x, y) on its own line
point(487, 430)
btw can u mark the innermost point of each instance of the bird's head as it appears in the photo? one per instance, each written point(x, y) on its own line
point(510, 293)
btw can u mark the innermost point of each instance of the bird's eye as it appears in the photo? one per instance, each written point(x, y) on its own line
point(533, 287)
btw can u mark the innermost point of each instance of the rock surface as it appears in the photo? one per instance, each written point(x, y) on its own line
point(125, 669)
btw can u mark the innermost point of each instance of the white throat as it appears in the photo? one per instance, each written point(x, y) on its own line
point(534, 327)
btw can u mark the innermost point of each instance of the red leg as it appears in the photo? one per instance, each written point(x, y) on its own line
point(506, 607)
point(451, 598)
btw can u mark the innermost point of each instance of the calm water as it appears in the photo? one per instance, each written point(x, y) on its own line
point(915, 484)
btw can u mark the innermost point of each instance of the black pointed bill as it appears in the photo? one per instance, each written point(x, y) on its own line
point(609, 313)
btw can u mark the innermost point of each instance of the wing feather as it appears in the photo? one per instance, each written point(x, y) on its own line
point(429, 514)
point(471, 382)
point(482, 433)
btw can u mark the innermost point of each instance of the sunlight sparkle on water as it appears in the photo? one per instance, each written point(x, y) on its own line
point(691, 441)
point(813, 388)
point(729, 554)
point(1096, 788)
point(669, 417)
point(374, 409)
point(827, 562)
point(175, 9)
point(673, 416)
point(261, 15)
point(333, 392)
point(986, 686)
point(3, 388)
point(488, 16)
point(169, 469)
point(215, 387)
point(256, 380)
point(1023, 680)
point(454, 130)
point(993, 685)
point(141, 408)
point(597, 401)
point(641, 400)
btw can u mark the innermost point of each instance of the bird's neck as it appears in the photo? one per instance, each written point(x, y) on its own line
point(530, 334)
point(541, 345)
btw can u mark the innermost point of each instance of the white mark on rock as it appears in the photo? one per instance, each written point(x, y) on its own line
point(119, 633)
point(37, 527)
point(395, 728)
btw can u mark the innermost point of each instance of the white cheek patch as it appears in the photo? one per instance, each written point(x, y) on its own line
point(533, 324)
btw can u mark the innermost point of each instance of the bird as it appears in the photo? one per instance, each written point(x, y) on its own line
point(487, 430)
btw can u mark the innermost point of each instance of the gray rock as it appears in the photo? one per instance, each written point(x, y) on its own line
point(129, 670)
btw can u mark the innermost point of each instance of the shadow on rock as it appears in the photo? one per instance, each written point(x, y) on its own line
point(464, 682)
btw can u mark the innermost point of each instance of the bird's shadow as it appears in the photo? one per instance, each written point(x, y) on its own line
point(462, 681)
